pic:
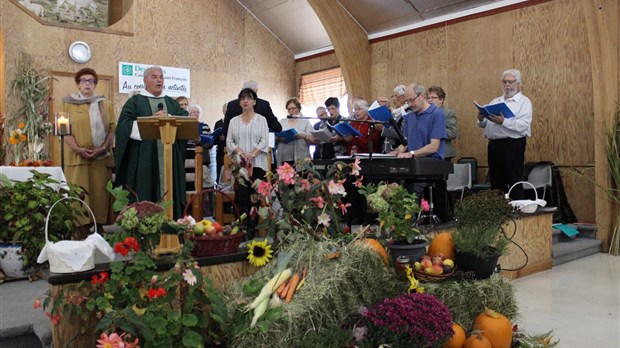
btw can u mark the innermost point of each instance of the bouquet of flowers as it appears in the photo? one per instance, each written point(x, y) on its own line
point(410, 320)
point(300, 199)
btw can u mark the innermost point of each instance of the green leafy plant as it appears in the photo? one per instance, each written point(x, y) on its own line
point(480, 218)
point(396, 209)
point(25, 207)
point(178, 307)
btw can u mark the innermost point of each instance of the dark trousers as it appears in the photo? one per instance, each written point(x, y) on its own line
point(243, 200)
point(506, 157)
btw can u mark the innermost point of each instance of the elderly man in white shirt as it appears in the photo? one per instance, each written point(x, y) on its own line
point(507, 136)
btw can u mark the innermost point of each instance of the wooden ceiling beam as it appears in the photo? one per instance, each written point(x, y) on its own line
point(350, 43)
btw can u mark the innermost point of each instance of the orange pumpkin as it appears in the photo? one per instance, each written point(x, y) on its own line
point(477, 340)
point(442, 244)
point(495, 327)
point(374, 244)
point(458, 338)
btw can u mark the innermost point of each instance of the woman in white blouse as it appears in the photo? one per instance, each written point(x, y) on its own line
point(300, 147)
point(248, 136)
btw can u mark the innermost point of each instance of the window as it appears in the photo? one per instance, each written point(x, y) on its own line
point(315, 87)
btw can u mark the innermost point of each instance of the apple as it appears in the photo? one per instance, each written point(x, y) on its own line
point(211, 230)
point(199, 229)
point(426, 263)
point(437, 260)
point(448, 262)
point(425, 257)
point(417, 266)
point(437, 269)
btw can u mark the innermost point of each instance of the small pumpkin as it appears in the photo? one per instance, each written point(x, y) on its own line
point(374, 245)
point(477, 340)
point(495, 327)
point(442, 244)
point(458, 338)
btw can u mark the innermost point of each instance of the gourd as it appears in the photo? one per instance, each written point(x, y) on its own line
point(374, 245)
point(458, 338)
point(495, 327)
point(477, 340)
point(442, 244)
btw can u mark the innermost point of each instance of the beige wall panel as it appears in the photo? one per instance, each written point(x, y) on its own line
point(580, 191)
point(218, 40)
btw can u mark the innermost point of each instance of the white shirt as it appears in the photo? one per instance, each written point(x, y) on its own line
point(515, 127)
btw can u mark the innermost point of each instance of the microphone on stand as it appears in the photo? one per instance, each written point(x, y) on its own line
point(396, 127)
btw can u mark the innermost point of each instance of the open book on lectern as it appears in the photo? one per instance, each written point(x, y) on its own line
point(495, 109)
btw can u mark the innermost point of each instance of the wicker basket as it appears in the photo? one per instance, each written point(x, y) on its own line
point(215, 245)
point(211, 246)
point(431, 278)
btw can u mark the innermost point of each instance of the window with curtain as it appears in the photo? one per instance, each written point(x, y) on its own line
point(315, 87)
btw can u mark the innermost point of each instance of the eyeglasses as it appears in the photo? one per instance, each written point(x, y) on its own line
point(292, 108)
point(246, 98)
point(510, 82)
point(411, 100)
point(91, 81)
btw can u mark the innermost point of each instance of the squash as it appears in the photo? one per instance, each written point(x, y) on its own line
point(458, 338)
point(495, 327)
point(374, 245)
point(442, 244)
point(477, 340)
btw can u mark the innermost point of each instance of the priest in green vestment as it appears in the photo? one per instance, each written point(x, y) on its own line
point(140, 163)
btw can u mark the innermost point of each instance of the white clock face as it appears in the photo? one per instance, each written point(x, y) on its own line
point(80, 52)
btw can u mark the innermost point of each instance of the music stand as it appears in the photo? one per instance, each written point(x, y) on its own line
point(168, 129)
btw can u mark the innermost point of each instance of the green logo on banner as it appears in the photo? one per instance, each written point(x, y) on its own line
point(127, 70)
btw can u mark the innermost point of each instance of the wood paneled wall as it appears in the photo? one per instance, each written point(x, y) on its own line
point(548, 43)
point(218, 40)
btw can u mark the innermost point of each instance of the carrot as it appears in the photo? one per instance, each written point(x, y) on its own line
point(285, 291)
point(281, 289)
point(294, 281)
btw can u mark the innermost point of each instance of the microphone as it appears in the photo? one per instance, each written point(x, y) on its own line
point(396, 127)
point(290, 116)
point(160, 107)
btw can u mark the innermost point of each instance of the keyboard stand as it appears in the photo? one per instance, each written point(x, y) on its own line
point(429, 217)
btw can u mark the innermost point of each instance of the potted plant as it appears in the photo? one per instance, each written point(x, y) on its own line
point(479, 239)
point(396, 210)
point(22, 218)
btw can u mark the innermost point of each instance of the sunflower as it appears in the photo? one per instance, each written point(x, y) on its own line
point(259, 252)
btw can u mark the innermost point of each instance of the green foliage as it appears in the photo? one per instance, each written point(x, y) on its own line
point(25, 207)
point(480, 218)
point(397, 209)
point(613, 160)
point(162, 309)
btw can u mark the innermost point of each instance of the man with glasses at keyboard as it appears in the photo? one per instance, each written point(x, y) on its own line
point(507, 136)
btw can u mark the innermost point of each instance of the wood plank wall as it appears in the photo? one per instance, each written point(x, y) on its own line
point(218, 40)
point(550, 47)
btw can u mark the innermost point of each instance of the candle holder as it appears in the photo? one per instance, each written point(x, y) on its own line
point(62, 128)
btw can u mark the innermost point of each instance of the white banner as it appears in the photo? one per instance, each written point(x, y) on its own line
point(131, 79)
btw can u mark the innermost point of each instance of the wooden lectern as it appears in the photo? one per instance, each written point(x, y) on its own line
point(168, 129)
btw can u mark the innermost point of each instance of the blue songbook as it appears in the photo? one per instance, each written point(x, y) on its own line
point(495, 109)
point(209, 139)
point(382, 113)
point(344, 130)
point(288, 135)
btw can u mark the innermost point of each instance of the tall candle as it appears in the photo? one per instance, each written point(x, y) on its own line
point(63, 125)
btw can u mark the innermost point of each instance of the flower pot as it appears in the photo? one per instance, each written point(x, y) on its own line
point(11, 260)
point(482, 268)
point(414, 251)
